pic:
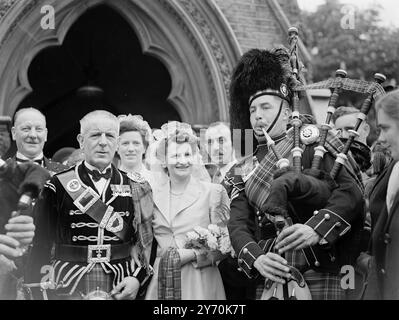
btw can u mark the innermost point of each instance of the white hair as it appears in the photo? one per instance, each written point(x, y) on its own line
point(95, 115)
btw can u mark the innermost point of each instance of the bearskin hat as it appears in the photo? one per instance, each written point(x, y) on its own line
point(257, 70)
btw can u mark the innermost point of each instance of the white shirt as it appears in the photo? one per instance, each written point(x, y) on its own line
point(393, 186)
point(19, 155)
point(102, 183)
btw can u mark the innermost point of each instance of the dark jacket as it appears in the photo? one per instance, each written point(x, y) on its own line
point(339, 222)
point(383, 273)
point(59, 222)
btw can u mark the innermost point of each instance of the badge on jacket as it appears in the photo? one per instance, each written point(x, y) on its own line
point(121, 190)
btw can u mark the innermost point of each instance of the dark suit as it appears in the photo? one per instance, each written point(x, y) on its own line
point(52, 166)
point(383, 273)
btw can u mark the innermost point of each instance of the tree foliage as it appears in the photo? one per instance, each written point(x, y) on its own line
point(363, 50)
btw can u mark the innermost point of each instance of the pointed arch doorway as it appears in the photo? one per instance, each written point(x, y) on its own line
point(192, 40)
point(98, 66)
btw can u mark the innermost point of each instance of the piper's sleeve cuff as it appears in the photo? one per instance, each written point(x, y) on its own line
point(246, 258)
point(329, 225)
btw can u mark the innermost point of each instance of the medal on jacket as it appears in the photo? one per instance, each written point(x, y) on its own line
point(73, 185)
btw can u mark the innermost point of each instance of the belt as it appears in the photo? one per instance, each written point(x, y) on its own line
point(92, 253)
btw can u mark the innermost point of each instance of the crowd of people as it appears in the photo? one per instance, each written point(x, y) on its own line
point(137, 213)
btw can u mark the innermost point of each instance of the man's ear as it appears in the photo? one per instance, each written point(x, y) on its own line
point(80, 140)
point(13, 133)
point(286, 111)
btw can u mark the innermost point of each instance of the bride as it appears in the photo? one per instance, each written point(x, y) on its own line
point(182, 203)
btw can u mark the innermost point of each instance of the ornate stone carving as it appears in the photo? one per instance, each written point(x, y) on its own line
point(177, 17)
point(28, 8)
point(4, 6)
point(211, 39)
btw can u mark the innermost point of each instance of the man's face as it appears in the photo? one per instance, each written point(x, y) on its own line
point(348, 122)
point(219, 143)
point(30, 133)
point(99, 142)
point(389, 132)
point(263, 112)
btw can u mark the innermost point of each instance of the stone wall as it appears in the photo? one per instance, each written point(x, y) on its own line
point(254, 22)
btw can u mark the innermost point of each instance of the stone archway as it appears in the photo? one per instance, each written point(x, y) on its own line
point(191, 38)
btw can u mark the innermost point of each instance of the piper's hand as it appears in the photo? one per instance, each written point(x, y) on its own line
point(296, 237)
point(21, 228)
point(9, 247)
point(273, 267)
point(127, 289)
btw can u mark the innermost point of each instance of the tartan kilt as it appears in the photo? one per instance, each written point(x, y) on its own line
point(322, 286)
point(91, 281)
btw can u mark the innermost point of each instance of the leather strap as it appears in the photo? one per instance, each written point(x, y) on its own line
point(72, 253)
point(90, 203)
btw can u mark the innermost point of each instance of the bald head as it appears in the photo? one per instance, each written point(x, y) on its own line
point(26, 112)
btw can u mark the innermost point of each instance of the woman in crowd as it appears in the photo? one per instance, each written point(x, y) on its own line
point(384, 206)
point(135, 136)
point(183, 202)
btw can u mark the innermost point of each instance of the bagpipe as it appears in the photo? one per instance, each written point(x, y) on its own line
point(290, 180)
point(20, 186)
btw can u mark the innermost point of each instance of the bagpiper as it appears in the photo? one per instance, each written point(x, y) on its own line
point(321, 217)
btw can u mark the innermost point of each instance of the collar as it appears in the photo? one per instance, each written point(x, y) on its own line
point(19, 155)
point(227, 167)
point(91, 168)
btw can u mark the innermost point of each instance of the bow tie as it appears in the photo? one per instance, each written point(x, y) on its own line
point(38, 161)
point(96, 175)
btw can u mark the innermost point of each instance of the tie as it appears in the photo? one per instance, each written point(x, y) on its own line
point(38, 161)
point(96, 175)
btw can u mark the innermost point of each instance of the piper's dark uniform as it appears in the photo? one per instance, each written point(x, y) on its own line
point(64, 234)
point(339, 223)
point(260, 192)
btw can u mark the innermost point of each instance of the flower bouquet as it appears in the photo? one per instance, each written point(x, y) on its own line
point(213, 238)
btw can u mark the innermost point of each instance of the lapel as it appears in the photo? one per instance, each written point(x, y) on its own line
point(189, 197)
point(384, 174)
point(115, 180)
point(47, 163)
point(382, 182)
point(161, 196)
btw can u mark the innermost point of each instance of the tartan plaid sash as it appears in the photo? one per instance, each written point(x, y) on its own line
point(257, 187)
point(354, 85)
point(169, 276)
point(144, 211)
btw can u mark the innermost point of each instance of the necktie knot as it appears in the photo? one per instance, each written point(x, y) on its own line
point(97, 175)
